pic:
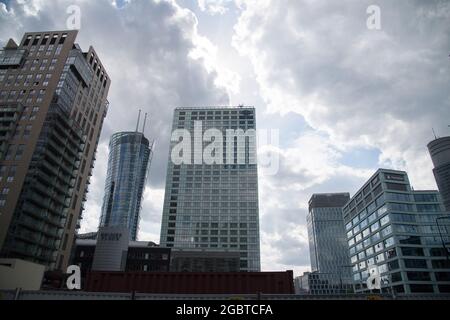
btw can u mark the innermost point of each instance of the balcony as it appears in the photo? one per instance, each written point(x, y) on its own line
point(27, 250)
point(43, 215)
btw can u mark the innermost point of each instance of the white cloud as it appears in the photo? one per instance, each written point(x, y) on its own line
point(146, 49)
point(355, 89)
point(214, 7)
point(382, 89)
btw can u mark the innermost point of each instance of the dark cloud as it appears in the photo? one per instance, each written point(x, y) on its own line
point(145, 47)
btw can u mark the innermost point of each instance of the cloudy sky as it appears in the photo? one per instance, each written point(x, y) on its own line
point(345, 98)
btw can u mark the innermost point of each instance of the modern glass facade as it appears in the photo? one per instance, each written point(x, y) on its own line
point(214, 206)
point(326, 234)
point(129, 159)
point(316, 283)
point(396, 229)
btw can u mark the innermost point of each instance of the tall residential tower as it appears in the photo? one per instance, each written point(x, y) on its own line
point(53, 100)
point(213, 205)
point(129, 158)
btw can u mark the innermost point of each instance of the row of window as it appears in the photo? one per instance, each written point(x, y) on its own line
point(185, 239)
point(47, 42)
point(216, 112)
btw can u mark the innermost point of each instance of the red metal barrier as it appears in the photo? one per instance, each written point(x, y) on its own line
point(191, 283)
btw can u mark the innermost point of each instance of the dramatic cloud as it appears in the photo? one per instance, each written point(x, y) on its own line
point(156, 60)
point(363, 94)
point(383, 88)
point(345, 99)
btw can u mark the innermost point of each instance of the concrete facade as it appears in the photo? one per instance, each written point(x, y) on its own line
point(15, 273)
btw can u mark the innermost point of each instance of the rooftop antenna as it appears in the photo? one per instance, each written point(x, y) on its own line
point(139, 120)
point(434, 133)
point(145, 122)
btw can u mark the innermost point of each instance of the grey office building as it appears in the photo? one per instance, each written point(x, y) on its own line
point(394, 228)
point(326, 234)
point(440, 154)
point(214, 206)
point(129, 158)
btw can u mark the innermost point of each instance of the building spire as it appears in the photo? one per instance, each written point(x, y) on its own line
point(145, 122)
point(138, 121)
point(434, 133)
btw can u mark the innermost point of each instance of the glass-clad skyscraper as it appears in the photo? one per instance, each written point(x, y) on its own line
point(326, 233)
point(129, 159)
point(214, 206)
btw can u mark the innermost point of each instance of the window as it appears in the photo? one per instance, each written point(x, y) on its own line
point(393, 265)
point(66, 238)
point(375, 227)
point(428, 208)
point(380, 258)
point(391, 253)
point(406, 251)
point(425, 198)
point(441, 264)
point(442, 276)
point(437, 252)
point(418, 276)
point(379, 246)
point(415, 263)
point(401, 207)
point(389, 242)
point(386, 231)
point(9, 152)
point(397, 196)
point(19, 152)
point(384, 220)
point(403, 217)
point(421, 288)
point(409, 239)
point(12, 173)
point(366, 233)
point(396, 277)
point(396, 186)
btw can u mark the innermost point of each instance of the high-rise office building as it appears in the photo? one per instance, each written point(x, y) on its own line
point(128, 163)
point(327, 238)
point(440, 155)
point(53, 100)
point(214, 205)
point(400, 232)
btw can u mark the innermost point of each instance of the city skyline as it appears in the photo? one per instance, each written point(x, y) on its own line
point(330, 140)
